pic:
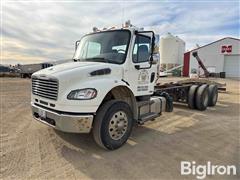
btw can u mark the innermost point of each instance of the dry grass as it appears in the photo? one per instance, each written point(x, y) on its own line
point(9, 74)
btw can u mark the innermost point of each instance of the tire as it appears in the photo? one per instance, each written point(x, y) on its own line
point(202, 97)
point(213, 95)
point(111, 135)
point(191, 96)
point(169, 101)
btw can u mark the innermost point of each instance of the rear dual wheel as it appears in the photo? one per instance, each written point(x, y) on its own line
point(191, 96)
point(200, 97)
point(213, 95)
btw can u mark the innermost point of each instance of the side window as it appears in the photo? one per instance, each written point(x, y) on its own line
point(141, 50)
point(84, 47)
point(94, 49)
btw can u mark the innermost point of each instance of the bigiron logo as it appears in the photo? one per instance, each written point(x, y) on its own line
point(201, 171)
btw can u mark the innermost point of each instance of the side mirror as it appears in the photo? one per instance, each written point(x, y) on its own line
point(151, 59)
point(76, 44)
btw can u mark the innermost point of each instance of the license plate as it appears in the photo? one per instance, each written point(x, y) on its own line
point(42, 113)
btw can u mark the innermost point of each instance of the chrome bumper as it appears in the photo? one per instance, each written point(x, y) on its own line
point(63, 122)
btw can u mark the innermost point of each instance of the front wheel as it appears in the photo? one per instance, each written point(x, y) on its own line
point(112, 124)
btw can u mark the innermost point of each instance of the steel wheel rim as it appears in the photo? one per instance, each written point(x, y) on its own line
point(118, 125)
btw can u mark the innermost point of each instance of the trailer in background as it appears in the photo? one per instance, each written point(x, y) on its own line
point(4, 68)
point(26, 70)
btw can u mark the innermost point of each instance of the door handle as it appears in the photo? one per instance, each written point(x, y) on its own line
point(139, 67)
point(152, 77)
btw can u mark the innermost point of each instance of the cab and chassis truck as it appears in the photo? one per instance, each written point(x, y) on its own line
point(110, 86)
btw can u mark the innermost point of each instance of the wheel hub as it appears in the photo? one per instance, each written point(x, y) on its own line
point(118, 125)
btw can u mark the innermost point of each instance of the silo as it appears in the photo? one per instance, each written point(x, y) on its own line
point(172, 49)
point(181, 50)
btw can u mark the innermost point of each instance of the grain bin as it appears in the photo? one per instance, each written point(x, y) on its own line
point(172, 49)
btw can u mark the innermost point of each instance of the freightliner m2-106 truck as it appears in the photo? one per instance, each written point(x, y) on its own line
point(109, 86)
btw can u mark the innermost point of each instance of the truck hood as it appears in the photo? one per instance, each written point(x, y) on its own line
point(79, 70)
point(66, 66)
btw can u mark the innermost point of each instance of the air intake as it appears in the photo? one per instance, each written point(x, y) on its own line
point(47, 88)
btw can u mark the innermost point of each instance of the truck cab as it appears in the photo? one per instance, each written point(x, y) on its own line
point(107, 88)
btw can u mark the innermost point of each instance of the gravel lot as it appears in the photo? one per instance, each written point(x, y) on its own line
point(32, 150)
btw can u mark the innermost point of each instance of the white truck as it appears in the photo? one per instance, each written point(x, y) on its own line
point(109, 86)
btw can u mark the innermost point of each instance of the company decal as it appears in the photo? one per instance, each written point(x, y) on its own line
point(226, 49)
point(142, 88)
point(143, 77)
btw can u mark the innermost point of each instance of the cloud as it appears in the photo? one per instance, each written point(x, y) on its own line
point(44, 31)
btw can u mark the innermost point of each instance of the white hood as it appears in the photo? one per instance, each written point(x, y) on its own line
point(66, 66)
point(79, 70)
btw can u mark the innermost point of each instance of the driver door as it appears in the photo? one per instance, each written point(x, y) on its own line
point(141, 74)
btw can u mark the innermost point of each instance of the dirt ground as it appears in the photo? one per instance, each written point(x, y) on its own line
point(31, 150)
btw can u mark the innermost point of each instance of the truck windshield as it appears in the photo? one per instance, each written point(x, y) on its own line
point(108, 46)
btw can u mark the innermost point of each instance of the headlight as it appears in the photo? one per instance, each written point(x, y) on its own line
point(82, 94)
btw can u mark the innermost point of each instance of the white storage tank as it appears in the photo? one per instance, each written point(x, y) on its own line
point(172, 50)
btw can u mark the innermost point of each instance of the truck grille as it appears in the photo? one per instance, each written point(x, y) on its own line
point(45, 88)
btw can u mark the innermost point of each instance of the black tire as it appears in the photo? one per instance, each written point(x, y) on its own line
point(191, 96)
point(213, 95)
point(102, 120)
point(169, 101)
point(202, 97)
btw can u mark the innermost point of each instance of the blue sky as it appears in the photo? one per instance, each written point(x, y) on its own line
point(34, 31)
